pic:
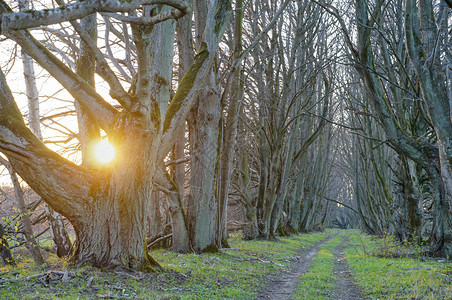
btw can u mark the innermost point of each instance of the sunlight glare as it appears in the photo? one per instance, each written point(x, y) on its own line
point(104, 152)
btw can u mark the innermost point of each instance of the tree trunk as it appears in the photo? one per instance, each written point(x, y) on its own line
point(229, 131)
point(250, 229)
point(204, 149)
point(422, 44)
point(155, 221)
point(202, 202)
point(5, 252)
point(295, 210)
point(30, 242)
point(59, 233)
point(411, 202)
point(111, 229)
point(181, 241)
point(107, 209)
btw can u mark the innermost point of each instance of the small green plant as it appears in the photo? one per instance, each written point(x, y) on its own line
point(388, 246)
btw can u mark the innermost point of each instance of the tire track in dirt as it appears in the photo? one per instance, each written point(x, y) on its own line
point(284, 284)
point(346, 289)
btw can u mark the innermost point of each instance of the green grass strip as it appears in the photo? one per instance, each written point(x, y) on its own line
point(396, 278)
point(319, 280)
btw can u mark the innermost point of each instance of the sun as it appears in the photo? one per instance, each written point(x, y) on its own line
point(104, 152)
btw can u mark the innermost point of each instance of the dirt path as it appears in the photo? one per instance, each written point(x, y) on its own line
point(282, 285)
point(346, 288)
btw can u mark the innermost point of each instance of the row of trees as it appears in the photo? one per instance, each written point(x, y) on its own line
point(304, 113)
point(401, 171)
point(174, 92)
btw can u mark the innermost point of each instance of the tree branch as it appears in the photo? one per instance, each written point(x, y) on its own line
point(64, 185)
point(81, 9)
point(195, 78)
point(116, 90)
point(104, 112)
point(163, 16)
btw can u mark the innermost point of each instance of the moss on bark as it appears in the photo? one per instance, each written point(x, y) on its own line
point(186, 85)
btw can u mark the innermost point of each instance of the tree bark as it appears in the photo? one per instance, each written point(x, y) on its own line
point(202, 201)
point(422, 38)
point(204, 147)
point(5, 252)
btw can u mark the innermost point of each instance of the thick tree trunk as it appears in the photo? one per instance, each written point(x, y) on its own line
point(204, 150)
point(282, 188)
point(250, 229)
point(295, 203)
point(112, 233)
point(271, 193)
point(411, 202)
point(108, 208)
point(202, 201)
point(111, 228)
point(179, 223)
point(441, 232)
point(422, 41)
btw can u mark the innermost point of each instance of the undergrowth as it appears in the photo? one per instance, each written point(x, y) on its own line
point(389, 247)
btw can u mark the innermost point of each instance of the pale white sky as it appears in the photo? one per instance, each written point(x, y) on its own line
point(53, 100)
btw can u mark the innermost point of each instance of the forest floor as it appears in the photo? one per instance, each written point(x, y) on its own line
point(284, 284)
point(288, 284)
point(332, 264)
point(346, 286)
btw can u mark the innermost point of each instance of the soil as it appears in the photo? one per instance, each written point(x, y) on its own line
point(283, 285)
point(346, 289)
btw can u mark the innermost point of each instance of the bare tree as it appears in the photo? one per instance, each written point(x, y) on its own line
point(107, 206)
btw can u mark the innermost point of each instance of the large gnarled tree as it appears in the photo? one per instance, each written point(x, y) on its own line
point(107, 205)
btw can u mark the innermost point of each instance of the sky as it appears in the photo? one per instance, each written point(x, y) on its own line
point(53, 100)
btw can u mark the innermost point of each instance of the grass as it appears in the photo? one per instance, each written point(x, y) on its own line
point(241, 271)
point(319, 280)
point(235, 273)
point(396, 278)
